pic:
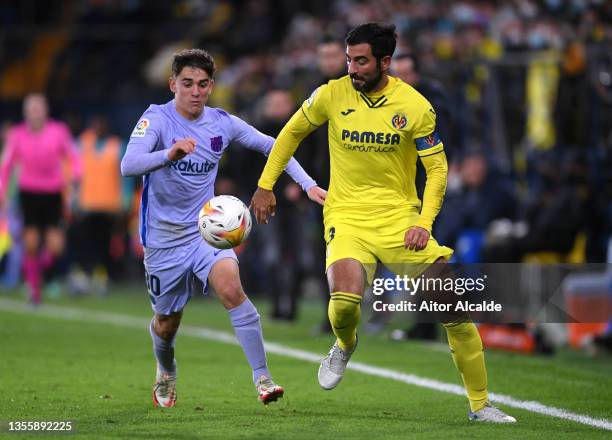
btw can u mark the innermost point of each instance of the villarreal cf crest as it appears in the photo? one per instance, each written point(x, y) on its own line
point(399, 121)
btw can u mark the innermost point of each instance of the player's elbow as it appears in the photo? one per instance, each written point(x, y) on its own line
point(437, 176)
point(439, 171)
point(126, 170)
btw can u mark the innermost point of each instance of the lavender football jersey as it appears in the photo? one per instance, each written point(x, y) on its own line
point(174, 192)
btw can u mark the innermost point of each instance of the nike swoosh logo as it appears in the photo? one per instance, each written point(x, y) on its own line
point(347, 111)
point(215, 253)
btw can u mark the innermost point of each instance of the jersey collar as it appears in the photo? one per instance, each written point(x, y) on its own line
point(184, 119)
point(379, 98)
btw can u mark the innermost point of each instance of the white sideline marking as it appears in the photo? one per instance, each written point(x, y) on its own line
point(73, 314)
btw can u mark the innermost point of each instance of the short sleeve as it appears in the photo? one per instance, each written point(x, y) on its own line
point(315, 108)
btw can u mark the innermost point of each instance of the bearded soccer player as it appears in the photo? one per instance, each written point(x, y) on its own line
point(176, 148)
point(378, 127)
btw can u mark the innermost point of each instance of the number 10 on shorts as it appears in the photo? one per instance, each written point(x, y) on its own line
point(153, 286)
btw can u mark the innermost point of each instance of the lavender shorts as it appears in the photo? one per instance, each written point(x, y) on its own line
point(170, 273)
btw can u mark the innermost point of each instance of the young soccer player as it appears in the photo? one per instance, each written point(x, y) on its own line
point(378, 126)
point(176, 147)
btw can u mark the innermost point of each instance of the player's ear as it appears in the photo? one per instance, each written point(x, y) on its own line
point(385, 63)
point(212, 86)
point(172, 84)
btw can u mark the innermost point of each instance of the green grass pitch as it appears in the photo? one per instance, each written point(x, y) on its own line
point(100, 375)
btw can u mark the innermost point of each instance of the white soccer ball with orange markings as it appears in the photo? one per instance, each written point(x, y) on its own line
point(224, 222)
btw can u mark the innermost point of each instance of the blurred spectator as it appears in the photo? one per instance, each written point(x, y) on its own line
point(331, 63)
point(103, 196)
point(406, 67)
point(293, 260)
point(39, 146)
point(331, 59)
point(476, 196)
point(553, 216)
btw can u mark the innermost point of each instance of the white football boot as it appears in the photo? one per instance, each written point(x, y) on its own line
point(333, 366)
point(267, 390)
point(164, 390)
point(492, 414)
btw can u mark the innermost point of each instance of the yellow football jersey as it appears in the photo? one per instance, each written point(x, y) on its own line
point(374, 141)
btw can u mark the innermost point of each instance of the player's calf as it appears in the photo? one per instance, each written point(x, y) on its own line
point(344, 313)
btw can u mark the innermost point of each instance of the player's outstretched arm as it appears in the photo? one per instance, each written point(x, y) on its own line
point(298, 127)
point(288, 140)
point(263, 202)
point(249, 137)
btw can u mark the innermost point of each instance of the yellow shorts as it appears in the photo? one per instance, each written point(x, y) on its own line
point(379, 239)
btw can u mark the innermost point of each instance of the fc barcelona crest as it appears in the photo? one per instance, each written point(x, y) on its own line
point(216, 143)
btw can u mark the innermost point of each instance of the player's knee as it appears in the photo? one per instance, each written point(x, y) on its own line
point(346, 275)
point(167, 325)
point(231, 293)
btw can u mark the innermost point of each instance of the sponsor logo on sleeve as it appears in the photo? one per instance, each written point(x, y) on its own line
point(141, 128)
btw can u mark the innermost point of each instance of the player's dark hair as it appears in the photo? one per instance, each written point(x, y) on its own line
point(380, 36)
point(197, 58)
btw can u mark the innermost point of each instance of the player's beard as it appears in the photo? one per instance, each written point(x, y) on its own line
point(368, 84)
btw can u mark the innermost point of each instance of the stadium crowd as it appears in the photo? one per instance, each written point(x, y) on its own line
point(523, 89)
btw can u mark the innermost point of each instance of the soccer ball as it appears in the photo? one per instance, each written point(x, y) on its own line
point(224, 222)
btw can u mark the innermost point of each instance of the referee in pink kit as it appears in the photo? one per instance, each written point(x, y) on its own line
point(38, 146)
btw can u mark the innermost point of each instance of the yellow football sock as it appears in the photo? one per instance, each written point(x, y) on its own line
point(466, 348)
point(344, 312)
